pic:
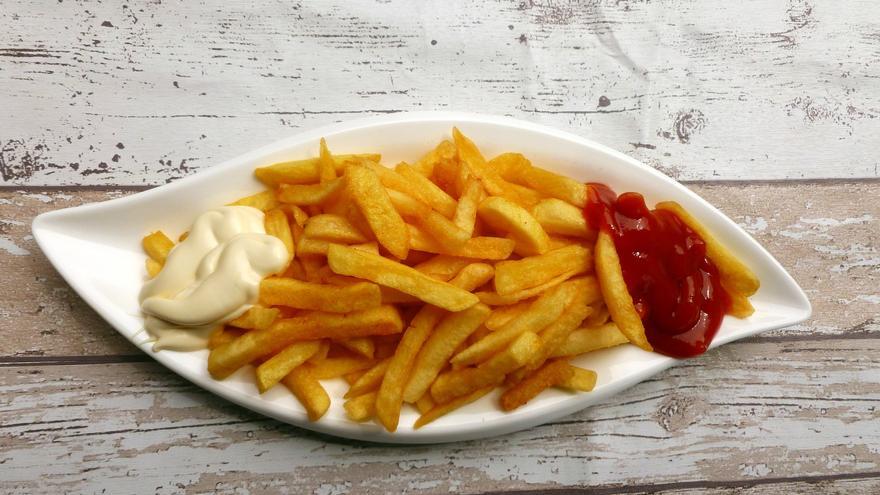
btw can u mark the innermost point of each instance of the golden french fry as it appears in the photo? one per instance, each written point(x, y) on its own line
point(518, 275)
point(153, 267)
point(737, 279)
point(256, 318)
point(473, 276)
point(470, 157)
point(484, 248)
point(495, 299)
point(312, 247)
point(443, 409)
point(157, 246)
point(466, 211)
point(360, 345)
point(310, 194)
point(544, 311)
point(334, 367)
point(581, 380)
point(333, 228)
point(321, 354)
point(436, 351)
point(434, 224)
point(588, 339)
point(375, 205)
point(362, 407)
point(514, 220)
point(325, 163)
point(353, 376)
point(323, 297)
point(227, 358)
point(547, 183)
point(503, 315)
point(551, 374)
point(263, 201)
point(460, 382)
point(369, 381)
point(558, 217)
point(616, 294)
point(444, 152)
point(299, 216)
point(421, 188)
point(394, 296)
point(425, 403)
point(223, 335)
point(348, 261)
point(276, 225)
point(557, 332)
point(306, 171)
point(275, 368)
point(598, 317)
point(442, 267)
point(308, 391)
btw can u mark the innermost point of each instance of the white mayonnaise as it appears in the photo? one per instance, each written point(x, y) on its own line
point(210, 278)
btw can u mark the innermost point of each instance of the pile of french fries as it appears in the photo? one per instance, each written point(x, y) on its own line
point(429, 283)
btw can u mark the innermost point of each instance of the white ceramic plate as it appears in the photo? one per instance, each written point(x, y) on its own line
point(97, 249)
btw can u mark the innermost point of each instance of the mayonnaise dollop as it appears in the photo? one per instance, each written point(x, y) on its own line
point(213, 276)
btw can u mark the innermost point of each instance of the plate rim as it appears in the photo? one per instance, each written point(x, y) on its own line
point(41, 225)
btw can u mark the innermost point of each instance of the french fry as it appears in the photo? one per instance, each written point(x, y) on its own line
point(470, 157)
point(323, 297)
point(484, 248)
point(502, 315)
point(333, 228)
point(227, 358)
point(306, 171)
point(325, 163)
point(516, 221)
point(445, 151)
point(434, 224)
point(465, 214)
point(425, 403)
point(460, 382)
point(272, 370)
point(310, 194)
point(443, 409)
point(737, 279)
point(551, 374)
point(598, 317)
point(321, 354)
point(369, 381)
point(434, 354)
point(616, 294)
point(544, 311)
point(443, 267)
point(557, 332)
point(299, 216)
point(157, 246)
point(263, 201)
point(375, 205)
point(308, 391)
point(334, 367)
point(223, 335)
point(581, 380)
point(348, 261)
point(353, 376)
point(426, 191)
point(362, 407)
point(588, 339)
point(153, 267)
point(558, 217)
point(547, 183)
point(495, 299)
point(256, 318)
point(363, 346)
point(276, 225)
point(518, 275)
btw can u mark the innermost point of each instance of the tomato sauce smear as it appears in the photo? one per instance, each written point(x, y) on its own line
point(675, 287)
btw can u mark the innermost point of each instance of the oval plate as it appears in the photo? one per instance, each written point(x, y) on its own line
point(96, 248)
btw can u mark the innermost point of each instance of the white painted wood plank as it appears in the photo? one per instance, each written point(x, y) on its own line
point(142, 92)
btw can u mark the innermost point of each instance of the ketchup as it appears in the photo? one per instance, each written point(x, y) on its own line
point(675, 288)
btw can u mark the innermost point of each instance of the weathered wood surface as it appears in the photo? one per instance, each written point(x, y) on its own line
point(145, 91)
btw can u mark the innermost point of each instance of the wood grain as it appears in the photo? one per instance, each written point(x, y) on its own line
point(142, 92)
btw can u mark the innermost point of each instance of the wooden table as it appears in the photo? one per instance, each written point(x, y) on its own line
point(770, 110)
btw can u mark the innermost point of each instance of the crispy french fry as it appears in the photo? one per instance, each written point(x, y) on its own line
point(426, 191)
point(598, 317)
point(321, 354)
point(551, 374)
point(581, 380)
point(470, 157)
point(558, 217)
point(443, 409)
point(227, 358)
point(616, 294)
point(436, 225)
point(272, 370)
point(442, 267)
point(503, 315)
point(514, 220)
point(466, 211)
point(334, 367)
point(473, 276)
point(308, 391)
point(277, 225)
point(460, 382)
point(297, 214)
point(257, 317)
point(310, 194)
point(557, 332)
point(360, 345)
point(362, 407)
point(348, 261)
point(435, 353)
point(369, 381)
point(223, 335)
point(263, 201)
point(394, 296)
point(445, 151)
point(425, 403)
point(495, 299)
point(484, 248)
point(518, 275)
point(333, 228)
point(544, 311)
point(375, 205)
point(153, 267)
point(157, 246)
point(325, 163)
point(306, 171)
point(323, 297)
point(547, 183)
point(588, 339)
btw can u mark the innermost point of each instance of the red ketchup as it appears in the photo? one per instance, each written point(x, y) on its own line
point(675, 288)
